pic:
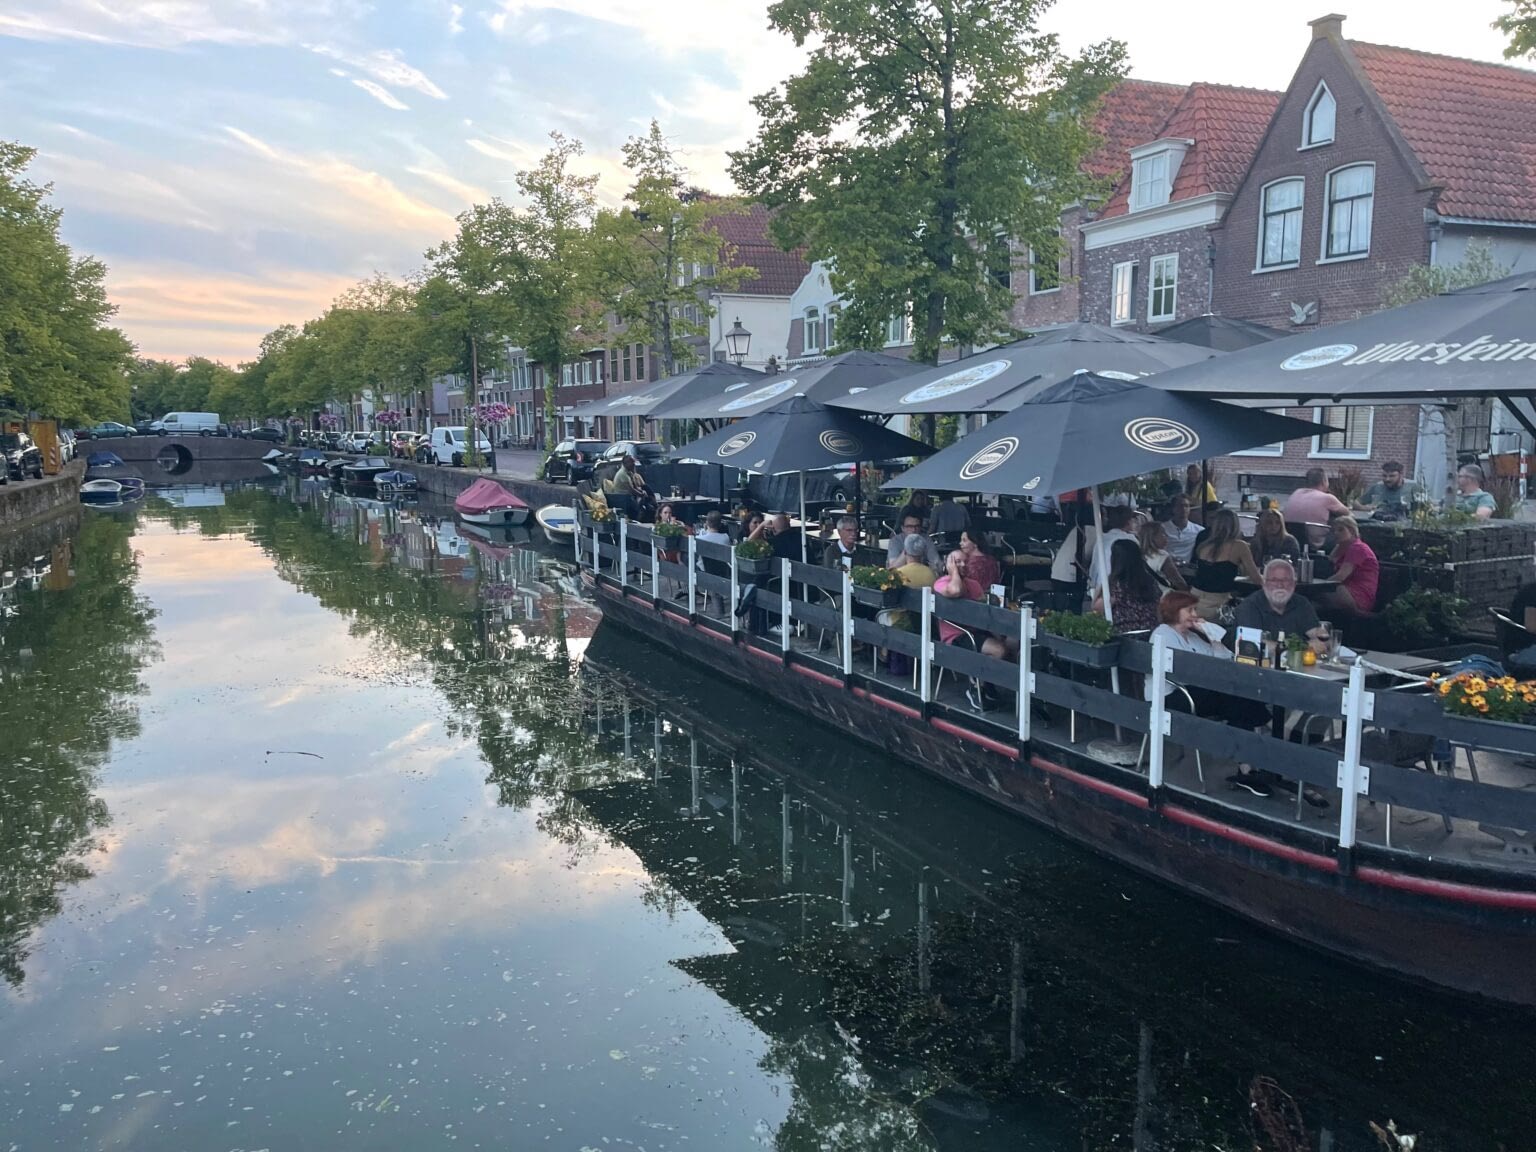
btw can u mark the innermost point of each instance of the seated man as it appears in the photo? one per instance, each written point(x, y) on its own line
point(1276, 608)
point(910, 523)
point(627, 481)
point(1470, 497)
point(841, 552)
point(1392, 498)
point(1312, 504)
point(914, 572)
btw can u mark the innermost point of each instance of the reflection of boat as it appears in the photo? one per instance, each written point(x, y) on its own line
point(275, 456)
point(310, 460)
point(365, 470)
point(557, 520)
point(500, 537)
point(102, 491)
point(395, 483)
point(487, 502)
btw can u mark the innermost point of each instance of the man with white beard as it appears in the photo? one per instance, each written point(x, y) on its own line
point(1276, 607)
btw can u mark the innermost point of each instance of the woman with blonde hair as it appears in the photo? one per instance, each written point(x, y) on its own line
point(1271, 541)
point(1220, 558)
point(1154, 550)
point(1355, 567)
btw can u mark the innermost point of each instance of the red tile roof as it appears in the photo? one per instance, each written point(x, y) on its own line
point(778, 272)
point(1471, 124)
point(1226, 124)
point(1130, 114)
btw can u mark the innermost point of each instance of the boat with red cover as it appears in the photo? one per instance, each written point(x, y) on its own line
point(487, 502)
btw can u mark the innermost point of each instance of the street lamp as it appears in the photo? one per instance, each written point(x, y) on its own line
point(737, 341)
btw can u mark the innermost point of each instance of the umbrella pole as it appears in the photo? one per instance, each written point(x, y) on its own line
point(1101, 562)
point(803, 544)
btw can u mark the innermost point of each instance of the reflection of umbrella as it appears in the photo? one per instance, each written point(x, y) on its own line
point(1219, 332)
point(709, 380)
point(1090, 429)
point(800, 435)
point(844, 373)
point(1001, 379)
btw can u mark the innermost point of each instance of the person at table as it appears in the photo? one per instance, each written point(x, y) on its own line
point(1153, 538)
point(1355, 568)
point(1182, 531)
point(1220, 558)
point(920, 505)
point(1069, 567)
point(1120, 521)
point(665, 515)
point(914, 572)
point(713, 532)
point(627, 481)
point(840, 554)
point(1183, 629)
point(782, 537)
point(1470, 497)
point(1391, 498)
point(1134, 592)
point(1275, 607)
point(1271, 541)
point(1193, 485)
point(947, 517)
point(1312, 504)
point(981, 565)
point(910, 523)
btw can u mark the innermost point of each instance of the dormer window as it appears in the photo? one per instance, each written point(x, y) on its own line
point(1154, 167)
point(1322, 112)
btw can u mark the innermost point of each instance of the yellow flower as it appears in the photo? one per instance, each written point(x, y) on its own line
point(1476, 684)
point(1445, 689)
point(1482, 705)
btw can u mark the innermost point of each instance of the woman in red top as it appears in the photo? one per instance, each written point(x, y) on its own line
point(980, 565)
point(1354, 566)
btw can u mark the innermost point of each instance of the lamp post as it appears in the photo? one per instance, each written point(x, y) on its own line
point(737, 341)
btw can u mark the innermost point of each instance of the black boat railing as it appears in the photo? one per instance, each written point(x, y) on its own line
point(1389, 746)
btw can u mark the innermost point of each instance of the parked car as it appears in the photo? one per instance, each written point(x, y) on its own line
point(330, 440)
point(143, 427)
point(571, 461)
point(273, 435)
point(66, 445)
point(448, 445)
point(355, 441)
point(644, 451)
point(23, 458)
point(106, 430)
point(402, 445)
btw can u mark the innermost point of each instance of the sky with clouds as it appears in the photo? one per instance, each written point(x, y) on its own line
point(237, 163)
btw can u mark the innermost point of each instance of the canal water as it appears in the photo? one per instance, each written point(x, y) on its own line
point(324, 825)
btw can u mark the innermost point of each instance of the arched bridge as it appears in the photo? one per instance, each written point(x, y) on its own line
point(184, 450)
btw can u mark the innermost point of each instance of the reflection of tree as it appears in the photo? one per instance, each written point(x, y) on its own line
point(64, 705)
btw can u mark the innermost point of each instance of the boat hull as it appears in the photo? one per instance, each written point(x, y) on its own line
point(557, 520)
point(496, 517)
point(1447, 932)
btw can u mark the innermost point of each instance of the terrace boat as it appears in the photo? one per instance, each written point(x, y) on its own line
point(395, 483)
point(487, 502)
point(364, 471)
point(557, 520)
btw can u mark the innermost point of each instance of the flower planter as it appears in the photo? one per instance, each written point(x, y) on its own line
point(1079, 652)
point(745, 567)
point(877, 597)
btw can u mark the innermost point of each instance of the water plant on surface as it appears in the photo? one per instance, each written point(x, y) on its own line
point(1487, 697)
point(872, 576)
point(754, 550)
point(1089, 628)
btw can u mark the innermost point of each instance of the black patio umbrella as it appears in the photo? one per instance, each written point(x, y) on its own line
point(1475, 342)
point(1002, 378)
point(840, 375)
point(643, 399)
point(801, 435)
point(1091, 429)
point(1222, 333)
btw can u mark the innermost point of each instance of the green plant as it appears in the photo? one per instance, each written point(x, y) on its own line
point(668, 530)
point(1505, 491)
point(1091, 628)
point(754, 550)
point(871, 576)
point(1348, 485)
point(1503, 698)
point(1424, 617)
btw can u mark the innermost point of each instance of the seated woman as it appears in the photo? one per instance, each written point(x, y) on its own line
point(1271, 541)
point(1184, 630)
point(1220, 558)
point(1159, 561)
point(957, 584)
point(1134, 592)
point(1355, 568)
point(980, 564)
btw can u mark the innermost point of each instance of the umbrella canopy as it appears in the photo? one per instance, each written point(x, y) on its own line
point(1476, 342)
point(710, 379)
point(1219, 332)
point(1001, 379)
point(845, 373)
point(801, 435)
point(1092, 429)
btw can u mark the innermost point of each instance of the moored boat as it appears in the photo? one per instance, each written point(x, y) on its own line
point(310, 460)
point(364, 471)
point(103, 492)
point(557, 520)
point(395, 483)
point(487, 502)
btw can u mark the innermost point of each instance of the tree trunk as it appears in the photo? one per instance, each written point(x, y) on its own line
point(472, 449)
point(551, 382)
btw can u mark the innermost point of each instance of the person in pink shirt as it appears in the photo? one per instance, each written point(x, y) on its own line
point(956, 585)
point(1313, 504)
point(1355, 568)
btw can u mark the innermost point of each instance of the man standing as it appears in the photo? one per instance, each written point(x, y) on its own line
point(840, 553)
point(1312, 504)
point(1470, 497)
point(948, 518)
point(1182, 532)
point(1391, 498)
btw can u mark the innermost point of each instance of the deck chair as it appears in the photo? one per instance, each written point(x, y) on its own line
point(1199, 765)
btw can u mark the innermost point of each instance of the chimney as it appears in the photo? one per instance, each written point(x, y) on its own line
point(1330, 27)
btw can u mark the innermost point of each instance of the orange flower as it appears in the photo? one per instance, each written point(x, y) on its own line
point(1481, 705)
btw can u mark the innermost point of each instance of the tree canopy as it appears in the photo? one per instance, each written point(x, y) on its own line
point(1519, 24)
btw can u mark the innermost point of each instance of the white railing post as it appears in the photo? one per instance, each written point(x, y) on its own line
point(576, 533)
point(847, 623)
point(735, 594)
point(784, 604)
point(655, 570)
point(623, 552)
point(1354, 777)
point(597, 556)
point(925, 673)
point(1157, 719)
point(1026, 668)
point(693, 575)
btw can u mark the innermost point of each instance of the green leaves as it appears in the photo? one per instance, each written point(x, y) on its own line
point(1519, 24)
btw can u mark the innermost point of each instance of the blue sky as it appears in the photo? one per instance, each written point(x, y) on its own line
point(237, 163)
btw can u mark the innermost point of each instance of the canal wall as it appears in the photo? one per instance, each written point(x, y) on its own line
point(450, 482)
point(23, 503)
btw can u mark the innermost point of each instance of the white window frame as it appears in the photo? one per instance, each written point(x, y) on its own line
point(1152, 288)
point(1323, 256)
point(812, 324)
point(1034, 289)
point(1265, 449)
point(829, 328)
point(1148, 191)
point(1301, 221)
point(1128, 293)
point(1320, 414)
point(896, 331)
point(1308, 118)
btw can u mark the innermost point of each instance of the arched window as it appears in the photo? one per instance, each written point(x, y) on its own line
point(1318, 124)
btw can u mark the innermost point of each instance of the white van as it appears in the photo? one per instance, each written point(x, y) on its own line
point(187, 424)
point(448, 446)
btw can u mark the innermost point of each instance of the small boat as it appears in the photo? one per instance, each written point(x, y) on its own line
point(557, 520)
point(487, 502)
point(364, 471)
point(333, 467)
point(276, 455)
point(104, 493)
point(311, 460)
point(106, 464)
point(395, 483)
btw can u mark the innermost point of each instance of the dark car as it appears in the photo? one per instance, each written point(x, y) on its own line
point(106, 430)
point(572, 460)
point(645, 452)
point(22, 457)
point(274, 435)
point(143, 427)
